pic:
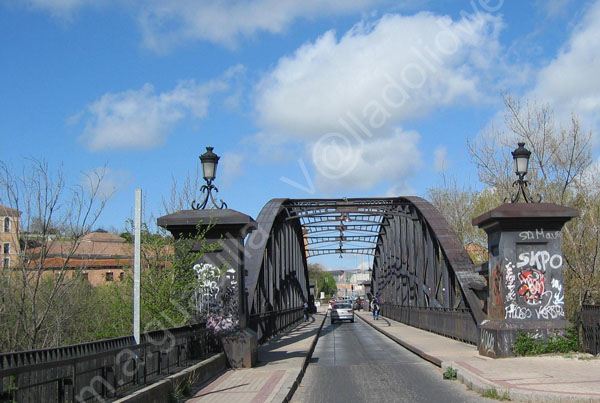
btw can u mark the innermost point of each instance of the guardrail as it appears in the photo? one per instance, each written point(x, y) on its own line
point(455, 323)
point(272, 323)
point(101, 370)
point(589, 320)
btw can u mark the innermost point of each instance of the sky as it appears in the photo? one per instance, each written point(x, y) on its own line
point(301, 99)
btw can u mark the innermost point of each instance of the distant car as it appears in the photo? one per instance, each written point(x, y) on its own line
point(342, 311)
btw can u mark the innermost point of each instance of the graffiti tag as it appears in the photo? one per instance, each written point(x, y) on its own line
point(540, 260)
point(532, 286)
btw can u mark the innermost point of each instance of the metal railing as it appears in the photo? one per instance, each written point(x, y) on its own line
point(101, 370)
point(270, 324)
point(589, 320)
point(455, 323)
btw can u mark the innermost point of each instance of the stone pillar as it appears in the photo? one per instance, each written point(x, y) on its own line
point(525, 273)
point(227, 228)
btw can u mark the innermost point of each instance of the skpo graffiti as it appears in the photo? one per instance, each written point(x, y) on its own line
point(541, 260)
point(532, 286)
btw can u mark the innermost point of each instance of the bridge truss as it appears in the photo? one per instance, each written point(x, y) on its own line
point(417, 261)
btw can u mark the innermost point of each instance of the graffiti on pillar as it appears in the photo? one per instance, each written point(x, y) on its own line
point(487, 340)
point(554, 308)
point(541, 260)
point(532, 286)
point(512, 309)
point(497, 283)
point(539, 234)
point(217, 298)
point(532, 291)
point(496, 287)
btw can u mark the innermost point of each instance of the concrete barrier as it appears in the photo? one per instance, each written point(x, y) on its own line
point(159, 392)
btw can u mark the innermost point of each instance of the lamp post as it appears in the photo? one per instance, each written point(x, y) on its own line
point(209, 162)
point(521, 157)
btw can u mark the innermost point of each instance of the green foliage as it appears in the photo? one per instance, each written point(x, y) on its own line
point(324, 281)
point(493, 394)
point(184, 388)
point(167, 283)
point(450, 374)
point(526, 345)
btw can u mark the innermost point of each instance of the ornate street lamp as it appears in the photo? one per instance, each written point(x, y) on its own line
point(521, 158)
point(209, 162)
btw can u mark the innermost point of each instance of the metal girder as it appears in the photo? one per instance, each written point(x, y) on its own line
point(417, 260)
point(332, 251)
point(312, 240)
point(366, 228)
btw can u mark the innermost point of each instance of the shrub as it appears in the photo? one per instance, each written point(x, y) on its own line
point(560, 342)
point(450, 374)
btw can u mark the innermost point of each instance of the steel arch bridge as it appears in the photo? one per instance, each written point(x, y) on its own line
point(419, 268)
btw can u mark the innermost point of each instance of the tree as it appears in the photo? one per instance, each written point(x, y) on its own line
point(182, 195)
point(39, 294)
point(324, 282)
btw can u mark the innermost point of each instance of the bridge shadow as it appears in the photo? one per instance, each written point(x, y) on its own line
point(272, 350)
point(202, 394)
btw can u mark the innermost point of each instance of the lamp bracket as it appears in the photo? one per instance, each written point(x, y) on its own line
point(208, 195)
point(522, 184)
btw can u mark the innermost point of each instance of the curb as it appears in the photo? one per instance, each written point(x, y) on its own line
point(481, 385)
point(434, 360)
point(311, 349)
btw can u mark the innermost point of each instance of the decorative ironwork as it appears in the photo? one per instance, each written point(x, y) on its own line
point(208, 189)
point(522, 184)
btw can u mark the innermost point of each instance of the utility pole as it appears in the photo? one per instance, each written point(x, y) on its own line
point(137, 264)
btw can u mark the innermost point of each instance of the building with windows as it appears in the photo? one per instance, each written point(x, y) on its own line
point(99, 256)
point(9, 238)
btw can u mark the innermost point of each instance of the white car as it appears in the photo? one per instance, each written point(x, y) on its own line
point(342, 311)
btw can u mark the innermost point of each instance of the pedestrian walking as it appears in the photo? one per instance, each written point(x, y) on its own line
point(375, 308)
point(306, 311)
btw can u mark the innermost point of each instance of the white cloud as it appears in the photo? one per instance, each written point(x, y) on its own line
point(168, 23)
point(440, 159)
point(142, 119)
point(362, 165)
point(165, 23)
point(380, 73)
point(571, 83)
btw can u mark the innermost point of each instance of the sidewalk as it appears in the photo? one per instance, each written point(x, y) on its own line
point(282, 362)
point(548, 378)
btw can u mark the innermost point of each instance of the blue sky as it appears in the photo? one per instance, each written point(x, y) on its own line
point(301, 99)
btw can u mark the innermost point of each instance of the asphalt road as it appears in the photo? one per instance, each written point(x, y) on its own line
point(353, 363)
